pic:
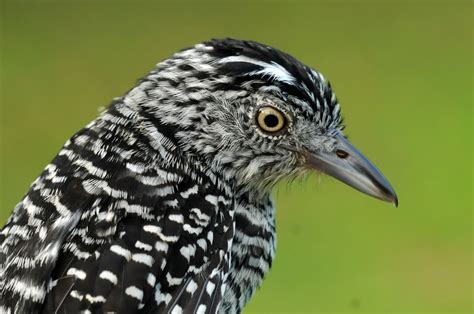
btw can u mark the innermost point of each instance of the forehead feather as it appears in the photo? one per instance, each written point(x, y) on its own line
point(272, 70)
point(256, 67)
point(248, 60)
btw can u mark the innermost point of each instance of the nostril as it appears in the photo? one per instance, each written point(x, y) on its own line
point(342, 154)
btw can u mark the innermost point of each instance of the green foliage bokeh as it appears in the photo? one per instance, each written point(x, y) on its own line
point(402, 71)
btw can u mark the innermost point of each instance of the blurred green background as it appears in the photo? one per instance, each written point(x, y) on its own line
point(403, 72)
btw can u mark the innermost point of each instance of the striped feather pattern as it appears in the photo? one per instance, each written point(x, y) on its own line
point(162, 203)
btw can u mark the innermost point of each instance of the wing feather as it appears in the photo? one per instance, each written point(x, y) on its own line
point(149, 264)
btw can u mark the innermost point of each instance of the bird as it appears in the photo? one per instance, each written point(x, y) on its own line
point(163, 203)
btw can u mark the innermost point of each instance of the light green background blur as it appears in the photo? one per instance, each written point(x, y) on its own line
point(403, 73)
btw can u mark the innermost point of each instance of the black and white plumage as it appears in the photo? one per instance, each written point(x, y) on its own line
point(162, 204)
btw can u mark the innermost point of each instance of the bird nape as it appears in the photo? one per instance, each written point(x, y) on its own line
point(163, 203)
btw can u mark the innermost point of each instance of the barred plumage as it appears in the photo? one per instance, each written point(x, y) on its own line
point(162, 204)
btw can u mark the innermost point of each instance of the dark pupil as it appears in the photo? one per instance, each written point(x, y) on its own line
point(271, 121)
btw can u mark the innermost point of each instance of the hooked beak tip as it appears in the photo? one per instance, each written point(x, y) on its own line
point(348, 165)
point(390, 198)
point(395, 201)
point(386, 192)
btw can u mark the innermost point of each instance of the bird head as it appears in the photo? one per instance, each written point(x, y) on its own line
point(255, 115)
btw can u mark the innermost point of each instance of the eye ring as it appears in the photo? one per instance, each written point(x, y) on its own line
point(271, 120)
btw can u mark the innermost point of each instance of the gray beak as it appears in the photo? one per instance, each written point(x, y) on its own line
point(348, 165)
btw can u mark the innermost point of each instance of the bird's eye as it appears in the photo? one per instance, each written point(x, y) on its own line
point(271, 120)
